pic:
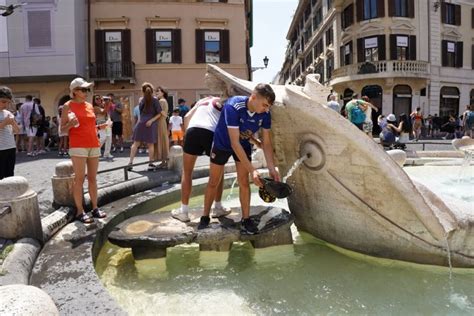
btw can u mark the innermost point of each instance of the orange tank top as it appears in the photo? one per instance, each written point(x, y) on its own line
point(85, 135)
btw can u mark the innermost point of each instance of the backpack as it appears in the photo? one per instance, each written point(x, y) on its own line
point(35, 118)
point(470, 119)
point(357, 115)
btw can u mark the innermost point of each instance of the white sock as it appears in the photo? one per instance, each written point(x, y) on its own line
point(218, 204)
point(184, 208)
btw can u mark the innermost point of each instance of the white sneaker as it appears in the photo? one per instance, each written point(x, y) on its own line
point(180, 215)
point(220, 211)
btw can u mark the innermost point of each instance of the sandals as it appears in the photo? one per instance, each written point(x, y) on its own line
point(152, 167)
point(84, 218)
point(98, 213)
point(129, 167)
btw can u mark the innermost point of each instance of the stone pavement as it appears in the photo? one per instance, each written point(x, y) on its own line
point(39, 170)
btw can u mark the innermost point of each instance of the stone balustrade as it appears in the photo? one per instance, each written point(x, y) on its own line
point(414, 68)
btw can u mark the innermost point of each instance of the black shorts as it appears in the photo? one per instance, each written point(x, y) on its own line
point(198, 141)
point(117, 128)
point(220, 157)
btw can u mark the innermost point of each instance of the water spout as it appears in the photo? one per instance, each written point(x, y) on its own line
point(296, 164)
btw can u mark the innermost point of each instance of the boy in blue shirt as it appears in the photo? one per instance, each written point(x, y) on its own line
point(241, 118)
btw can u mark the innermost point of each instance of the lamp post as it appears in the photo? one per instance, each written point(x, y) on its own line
point(265, 63)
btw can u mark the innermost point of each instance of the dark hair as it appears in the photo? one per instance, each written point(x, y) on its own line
point(94, 98)
point(6, 93)
point(418, 108)
point(406, 127)
point(111, 95)
point(176, 111)
point(365, 98)
point(37, 100)
point(165, 92)
point(266, 91)
point(181, 101)
point(29, 98)
point(147, 89)
point(355, 95)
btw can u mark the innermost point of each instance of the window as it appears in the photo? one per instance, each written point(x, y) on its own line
point(329, 3)
point(370, 9)
point(450, 13)
point(163, 46)
point(402, 47)
point(347, 16)
point(329, 36)
point(212, 46)
point(39, 29)
point(319, 69)
point(307, 13)
point(401, 8)
point(371, 49)
point(318, 48)
point(346, 54)
point(452, 54)
point(329, 66)
point(308, 59)
point(318, 18)
point(113, 56)
point(449, 102)
point(307, 35)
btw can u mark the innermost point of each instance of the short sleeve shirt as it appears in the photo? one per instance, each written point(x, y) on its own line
point(235, 114)
point(114, 115)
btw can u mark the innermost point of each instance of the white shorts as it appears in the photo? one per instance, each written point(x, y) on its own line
point(92, 152)
point(31, 131)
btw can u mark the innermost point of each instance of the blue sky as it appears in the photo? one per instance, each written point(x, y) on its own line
point(272, 19)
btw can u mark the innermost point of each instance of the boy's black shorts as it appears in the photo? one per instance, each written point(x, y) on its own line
point(198, 141)
point(220, 157)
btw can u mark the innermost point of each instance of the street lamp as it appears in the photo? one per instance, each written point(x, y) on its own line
point(265, 63)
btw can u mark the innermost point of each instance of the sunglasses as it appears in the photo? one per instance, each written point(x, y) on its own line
point(98, 98)
point(84, 90)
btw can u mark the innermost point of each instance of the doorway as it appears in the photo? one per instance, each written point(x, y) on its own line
point(374, 93)
point(402, 100)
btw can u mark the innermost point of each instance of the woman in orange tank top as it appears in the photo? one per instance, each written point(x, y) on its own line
point(84, 147)
point(417, 119)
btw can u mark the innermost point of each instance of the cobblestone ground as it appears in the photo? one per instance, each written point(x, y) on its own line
point(39, 170)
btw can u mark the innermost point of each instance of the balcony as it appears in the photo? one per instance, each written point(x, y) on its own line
point(113, 71)
point(381, 69)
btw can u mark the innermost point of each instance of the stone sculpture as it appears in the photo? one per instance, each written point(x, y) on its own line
point(350, 192)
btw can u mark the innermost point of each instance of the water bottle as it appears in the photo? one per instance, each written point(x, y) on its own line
point(71, 116)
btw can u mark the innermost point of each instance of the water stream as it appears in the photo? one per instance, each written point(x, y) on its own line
point(463, 171)
point(295, 166)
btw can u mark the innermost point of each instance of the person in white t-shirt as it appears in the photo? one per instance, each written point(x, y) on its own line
point(199, 123)
point(8, 127)
point(176, 128)
point(368, 126)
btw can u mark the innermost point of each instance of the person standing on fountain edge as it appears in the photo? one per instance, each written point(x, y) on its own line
point(199, 124)
point(241, 118)
point(79, 119)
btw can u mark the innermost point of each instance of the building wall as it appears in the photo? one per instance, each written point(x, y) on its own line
point(429, 30)
point(185, 79)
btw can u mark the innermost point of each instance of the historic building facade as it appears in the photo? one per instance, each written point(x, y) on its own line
point(43, 46)
point(401, 53)
point(166, 43)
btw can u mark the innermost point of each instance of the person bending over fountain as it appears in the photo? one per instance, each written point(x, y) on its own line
point(242, 117)
point(199, 124)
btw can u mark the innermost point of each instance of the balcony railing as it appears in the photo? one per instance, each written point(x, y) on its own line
point(113, 71)
point(410, 68)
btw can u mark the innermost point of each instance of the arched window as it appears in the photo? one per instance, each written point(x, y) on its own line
point(448, 102)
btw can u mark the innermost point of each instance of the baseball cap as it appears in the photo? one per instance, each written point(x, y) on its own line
point(80, 83)
point(391, 118)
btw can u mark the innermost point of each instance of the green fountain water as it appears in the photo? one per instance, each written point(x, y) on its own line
point(307, 278)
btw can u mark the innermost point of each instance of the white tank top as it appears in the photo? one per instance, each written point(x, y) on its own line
point(207, 113)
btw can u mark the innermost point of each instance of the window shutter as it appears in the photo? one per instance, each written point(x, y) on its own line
point(444, 53)
point(459, 54)
point(342, 55)
point(176, 46)
point(150, 46)
point(225, 47)
point(360, 50)
point(457, 14)
point(391, 7)
point(380, 9)
point(127, 53)
point(443, 12)
point(412, 47)
point(393, 47)
point(411, 8)
point(351, 14)
point(200, 58)
point(99, 46)
point(360, 10)
point(472, 56)
point(382, 54)
point(351, 52)
point(472, 18)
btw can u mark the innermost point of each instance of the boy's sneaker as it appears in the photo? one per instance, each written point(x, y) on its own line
point(248, 227)
point(114, 150)
point(204, 222)
point(180, 215)
point(121, 149)
point(220, 211)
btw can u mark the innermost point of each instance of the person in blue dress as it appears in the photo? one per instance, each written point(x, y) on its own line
point(241, 117)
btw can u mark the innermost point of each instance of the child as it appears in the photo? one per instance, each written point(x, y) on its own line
point(176, 127)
